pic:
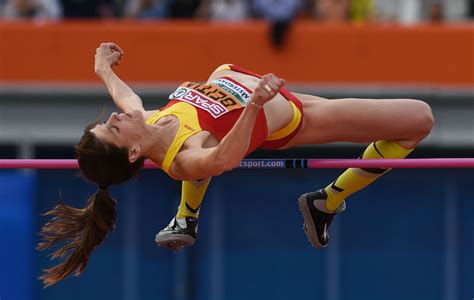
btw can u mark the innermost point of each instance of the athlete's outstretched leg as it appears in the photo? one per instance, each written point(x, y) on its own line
point(182, 230)
point(403, 122)
point(320, 207)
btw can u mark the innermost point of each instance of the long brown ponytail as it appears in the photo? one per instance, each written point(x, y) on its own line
point(79, 231)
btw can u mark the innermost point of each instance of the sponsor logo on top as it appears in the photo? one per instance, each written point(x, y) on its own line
point(194, 98)
point(233, 88)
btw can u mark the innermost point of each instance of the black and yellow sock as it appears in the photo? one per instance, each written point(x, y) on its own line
point(192, 193)
point(355, 179)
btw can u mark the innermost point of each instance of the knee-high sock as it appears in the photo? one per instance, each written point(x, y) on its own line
point(192, 193)
point(355, 179)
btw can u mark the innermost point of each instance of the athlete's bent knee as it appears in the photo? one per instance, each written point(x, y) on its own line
point(424, 118)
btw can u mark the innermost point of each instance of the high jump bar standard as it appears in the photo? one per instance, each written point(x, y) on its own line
point(432, 163)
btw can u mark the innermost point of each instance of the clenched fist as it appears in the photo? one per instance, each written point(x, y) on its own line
point(266, 89)
point(107, 55)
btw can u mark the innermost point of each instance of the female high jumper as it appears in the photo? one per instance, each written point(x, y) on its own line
point(207, 129)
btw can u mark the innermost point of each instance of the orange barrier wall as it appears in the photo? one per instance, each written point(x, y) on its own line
point(173, 52)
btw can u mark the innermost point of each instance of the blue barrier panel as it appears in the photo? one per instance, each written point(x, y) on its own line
point(407, 236)
point(17, 205)
point(463, 272)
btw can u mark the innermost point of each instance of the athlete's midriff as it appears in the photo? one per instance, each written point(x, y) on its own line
point(218, 104)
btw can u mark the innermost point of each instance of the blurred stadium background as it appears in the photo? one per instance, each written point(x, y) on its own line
point(408, 236)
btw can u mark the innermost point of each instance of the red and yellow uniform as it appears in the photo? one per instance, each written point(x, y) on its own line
point(215, 106)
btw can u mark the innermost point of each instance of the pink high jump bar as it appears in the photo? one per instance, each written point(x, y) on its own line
point(272, 163)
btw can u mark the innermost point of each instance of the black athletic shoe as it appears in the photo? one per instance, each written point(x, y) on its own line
point(316, 217)
point(178, 234)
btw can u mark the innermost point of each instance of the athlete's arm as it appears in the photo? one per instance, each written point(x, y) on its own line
point(108, 55)
point(206, 162)
point(198, 163)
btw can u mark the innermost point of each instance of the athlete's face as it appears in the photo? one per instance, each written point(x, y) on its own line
point(122, 130)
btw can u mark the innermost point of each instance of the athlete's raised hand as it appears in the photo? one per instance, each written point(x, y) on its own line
point(267, 88)
point(107, 55)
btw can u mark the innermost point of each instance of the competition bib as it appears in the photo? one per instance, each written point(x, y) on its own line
point(217, 97)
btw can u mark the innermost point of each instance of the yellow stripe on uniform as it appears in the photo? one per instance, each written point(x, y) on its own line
point(188, 126)
point(288, 129)
point(223, 67)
